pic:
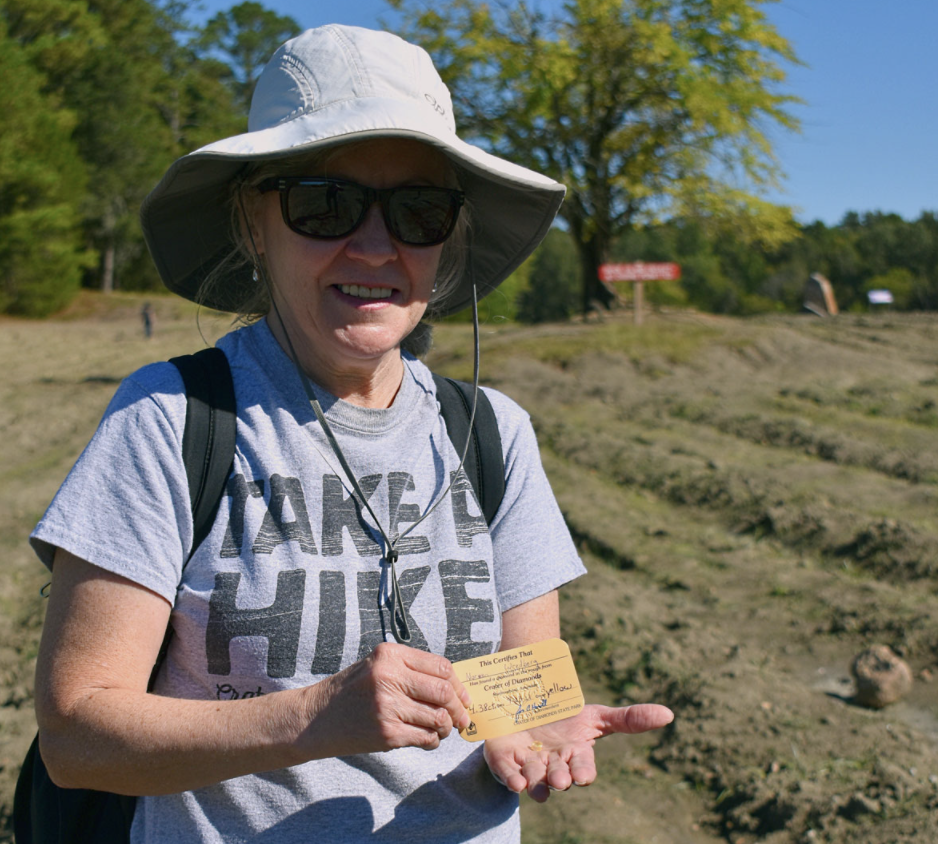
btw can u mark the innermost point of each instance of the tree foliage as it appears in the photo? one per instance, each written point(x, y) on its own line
point(41, 253)
point(865, 252)
point(862, 253)
point(246, 35)
point(552, 292)
point(102, 95)
point(108, 93)
point(643, 108)
point(723, 274)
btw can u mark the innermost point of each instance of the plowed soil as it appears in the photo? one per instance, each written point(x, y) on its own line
point(755, 501)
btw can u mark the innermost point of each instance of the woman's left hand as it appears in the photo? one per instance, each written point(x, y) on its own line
point(558, 755)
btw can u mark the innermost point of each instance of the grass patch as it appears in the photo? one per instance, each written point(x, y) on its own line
point(677, 344)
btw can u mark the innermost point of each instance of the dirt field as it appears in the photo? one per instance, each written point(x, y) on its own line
point(755, 500)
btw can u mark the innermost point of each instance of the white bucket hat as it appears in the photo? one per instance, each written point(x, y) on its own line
point(329, 86)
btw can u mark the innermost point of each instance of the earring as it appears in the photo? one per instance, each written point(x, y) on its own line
point(256, 276)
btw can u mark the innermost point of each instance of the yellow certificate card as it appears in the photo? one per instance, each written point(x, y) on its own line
point(519, 689)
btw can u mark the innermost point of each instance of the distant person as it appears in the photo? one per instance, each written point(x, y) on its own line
point(294, 704)
point(146, 314)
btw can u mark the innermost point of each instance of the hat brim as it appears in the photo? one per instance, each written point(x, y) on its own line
point(186, 218)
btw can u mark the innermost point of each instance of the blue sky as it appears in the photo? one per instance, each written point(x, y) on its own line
point(870, 86)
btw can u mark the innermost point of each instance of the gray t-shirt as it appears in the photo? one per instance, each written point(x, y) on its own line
point(289, 585)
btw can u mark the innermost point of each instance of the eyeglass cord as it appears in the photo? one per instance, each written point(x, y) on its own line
point(400, 627)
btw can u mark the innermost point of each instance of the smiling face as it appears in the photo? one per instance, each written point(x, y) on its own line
point(348, 303)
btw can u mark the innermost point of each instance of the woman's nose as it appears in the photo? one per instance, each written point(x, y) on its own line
point(371, 241)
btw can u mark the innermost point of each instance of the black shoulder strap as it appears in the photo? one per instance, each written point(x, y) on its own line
point(208, 444)
point(485, 464)
point(208, 441)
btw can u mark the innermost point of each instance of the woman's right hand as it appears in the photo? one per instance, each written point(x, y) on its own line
point(99, 728)
point(397, 696)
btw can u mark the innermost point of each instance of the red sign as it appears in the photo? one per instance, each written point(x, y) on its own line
point(639, 271)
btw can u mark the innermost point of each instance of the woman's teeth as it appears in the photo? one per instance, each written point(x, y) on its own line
point(361, 292)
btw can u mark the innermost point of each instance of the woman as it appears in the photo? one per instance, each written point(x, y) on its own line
point(285, 709)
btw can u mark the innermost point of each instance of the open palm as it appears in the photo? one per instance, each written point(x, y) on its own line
point(560, 754)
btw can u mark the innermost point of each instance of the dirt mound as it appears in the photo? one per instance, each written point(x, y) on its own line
point(755, 511)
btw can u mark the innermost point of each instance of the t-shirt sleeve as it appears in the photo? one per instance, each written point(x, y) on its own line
point(533, 550)
point(124, 506)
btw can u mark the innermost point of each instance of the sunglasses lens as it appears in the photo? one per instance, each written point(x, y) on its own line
point(419, 216)
point(422, 216)
point(324, 209)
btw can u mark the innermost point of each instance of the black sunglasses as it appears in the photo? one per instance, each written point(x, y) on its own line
point(332, 208)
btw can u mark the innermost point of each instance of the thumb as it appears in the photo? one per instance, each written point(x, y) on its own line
point(633, 719)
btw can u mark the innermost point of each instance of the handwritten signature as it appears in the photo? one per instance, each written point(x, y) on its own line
point(524, 713)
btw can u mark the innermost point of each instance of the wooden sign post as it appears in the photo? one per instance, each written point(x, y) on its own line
point(638, 273)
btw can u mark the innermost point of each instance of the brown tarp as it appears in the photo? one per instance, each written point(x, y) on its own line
point(819, 296)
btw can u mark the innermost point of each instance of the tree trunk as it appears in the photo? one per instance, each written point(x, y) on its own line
point(595, 293)
point(175, 120)
point(109, 253)
point(107, 268)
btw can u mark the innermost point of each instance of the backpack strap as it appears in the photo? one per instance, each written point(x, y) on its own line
point(208, 444)
point(485, 463)
point(208, 441)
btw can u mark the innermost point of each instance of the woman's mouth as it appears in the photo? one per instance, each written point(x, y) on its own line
point(359, 291)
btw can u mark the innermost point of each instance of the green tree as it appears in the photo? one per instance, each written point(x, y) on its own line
point(246, 37)
point(643, 108)
point(190, 104)
point(42, 179)
point(57, 36)
point(927, 261)
point(121, 133)
point(193, 95)
point(899, 281)
point(140, 95)
point(103, 60)
point(551, 292)
point(125, 85)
